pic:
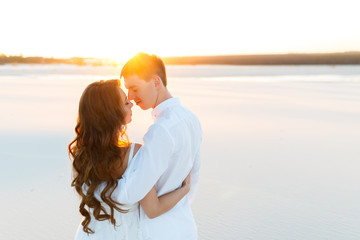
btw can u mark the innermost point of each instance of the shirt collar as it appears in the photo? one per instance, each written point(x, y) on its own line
point(163, 106)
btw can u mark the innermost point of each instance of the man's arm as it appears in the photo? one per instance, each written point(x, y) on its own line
point(148, 165)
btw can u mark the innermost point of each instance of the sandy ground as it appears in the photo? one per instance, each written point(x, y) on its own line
point(280, 158)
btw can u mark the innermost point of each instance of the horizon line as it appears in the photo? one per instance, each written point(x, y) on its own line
point(181, 56)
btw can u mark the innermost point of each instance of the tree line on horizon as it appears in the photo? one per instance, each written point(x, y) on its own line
point(271, 59)
point(265, 59)
point(19, 59)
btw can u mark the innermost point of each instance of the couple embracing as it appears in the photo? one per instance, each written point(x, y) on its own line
point(127, 190)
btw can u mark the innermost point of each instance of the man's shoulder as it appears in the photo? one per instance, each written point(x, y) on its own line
point(177, 115)
point(184, 113)
point(158, 126)
point(189, 115)
point(158, 129)
point(174, 118)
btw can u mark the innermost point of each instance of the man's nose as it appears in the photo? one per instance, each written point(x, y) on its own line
point(130, 96)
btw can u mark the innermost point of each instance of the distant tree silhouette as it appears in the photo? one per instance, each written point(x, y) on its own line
point(276, 59)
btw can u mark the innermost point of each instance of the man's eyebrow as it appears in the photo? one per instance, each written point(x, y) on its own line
point(125, 98)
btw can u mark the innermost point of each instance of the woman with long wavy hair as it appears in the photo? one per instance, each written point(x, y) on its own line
point(101, 153)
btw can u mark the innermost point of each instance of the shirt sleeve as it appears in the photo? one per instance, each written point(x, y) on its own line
point(149, 164)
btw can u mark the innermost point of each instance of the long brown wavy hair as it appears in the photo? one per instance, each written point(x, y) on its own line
point(99, 148)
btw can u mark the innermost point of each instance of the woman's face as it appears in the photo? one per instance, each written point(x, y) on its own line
point(127, 106)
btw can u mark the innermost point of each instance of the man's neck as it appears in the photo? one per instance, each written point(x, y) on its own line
point(163, 96)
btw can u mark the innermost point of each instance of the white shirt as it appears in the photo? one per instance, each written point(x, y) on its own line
point(171, 149)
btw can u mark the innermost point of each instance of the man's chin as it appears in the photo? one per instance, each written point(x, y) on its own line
point(143, 107)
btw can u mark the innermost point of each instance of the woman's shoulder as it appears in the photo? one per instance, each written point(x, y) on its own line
point(137, 147)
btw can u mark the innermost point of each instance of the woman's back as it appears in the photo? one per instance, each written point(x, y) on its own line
point(127, 224)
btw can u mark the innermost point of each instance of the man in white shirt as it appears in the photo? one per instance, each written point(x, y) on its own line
point(171, 149)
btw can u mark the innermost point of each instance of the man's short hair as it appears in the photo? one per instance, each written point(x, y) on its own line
point(145, 66)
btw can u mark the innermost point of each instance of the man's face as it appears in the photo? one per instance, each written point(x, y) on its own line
point(142, 92)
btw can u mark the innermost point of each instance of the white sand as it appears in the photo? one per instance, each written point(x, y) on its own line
point(280, 152)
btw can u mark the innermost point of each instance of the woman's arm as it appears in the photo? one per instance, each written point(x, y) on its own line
point(154, 206)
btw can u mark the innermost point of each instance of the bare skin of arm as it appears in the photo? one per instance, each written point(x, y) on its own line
point(154, 206)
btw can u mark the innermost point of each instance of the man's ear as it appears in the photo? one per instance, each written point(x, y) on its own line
point(157, 81)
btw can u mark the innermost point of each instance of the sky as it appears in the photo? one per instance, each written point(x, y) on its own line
point(119, 29)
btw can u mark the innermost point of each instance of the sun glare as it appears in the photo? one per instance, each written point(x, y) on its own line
point(119, 29)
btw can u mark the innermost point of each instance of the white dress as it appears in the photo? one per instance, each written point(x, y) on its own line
point(127, 224)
